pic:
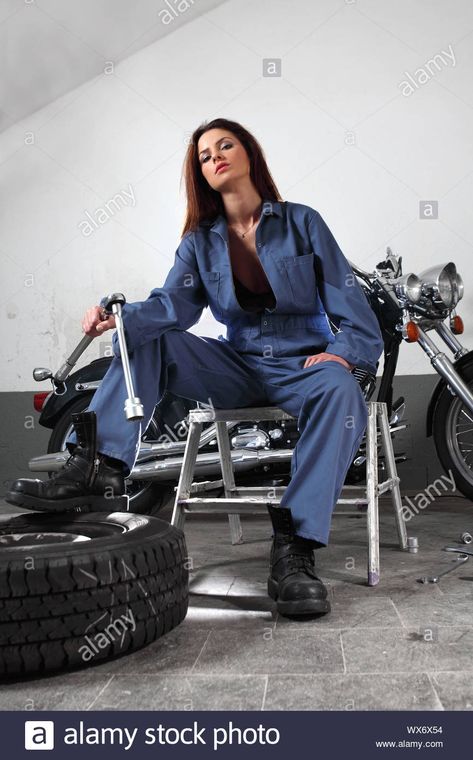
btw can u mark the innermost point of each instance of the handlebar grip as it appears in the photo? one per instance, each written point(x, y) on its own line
point(69, 363)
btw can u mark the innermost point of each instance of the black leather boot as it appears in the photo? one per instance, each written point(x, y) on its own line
point(86, 483)
point(293, 583)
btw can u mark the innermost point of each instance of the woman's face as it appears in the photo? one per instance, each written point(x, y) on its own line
point(217, 146)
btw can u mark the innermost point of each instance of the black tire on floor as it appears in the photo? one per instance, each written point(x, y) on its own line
point(77, 589)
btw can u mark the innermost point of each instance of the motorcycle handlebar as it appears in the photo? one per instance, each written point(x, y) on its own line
point(65, 369)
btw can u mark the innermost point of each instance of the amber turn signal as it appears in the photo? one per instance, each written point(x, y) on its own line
point(412, 332)
point(456, 325)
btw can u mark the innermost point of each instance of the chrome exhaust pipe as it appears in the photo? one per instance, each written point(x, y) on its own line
point(209, 463)
point(170, 468)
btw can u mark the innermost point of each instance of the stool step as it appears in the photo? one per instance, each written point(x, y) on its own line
point(223, 506)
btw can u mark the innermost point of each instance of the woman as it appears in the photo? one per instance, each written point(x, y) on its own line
point(272, 272)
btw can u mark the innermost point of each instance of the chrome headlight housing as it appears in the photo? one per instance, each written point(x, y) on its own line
point(408, 288)
point(442, 284)
point(459, 287)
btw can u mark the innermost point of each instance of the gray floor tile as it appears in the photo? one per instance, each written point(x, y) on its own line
point(244, 567)
point(394, 691)
point(442, 610)
point(244, 611)
point(288, 651)
point(68, 691)
point(183, 692)
point(455, 690)
point(176, 652)
point(459, 583)
point(399, 650)
point(242, 586)
point(396, 588)
point(204, 582)
point(350, 613)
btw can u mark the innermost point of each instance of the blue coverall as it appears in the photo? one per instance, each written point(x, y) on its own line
point(260, 361)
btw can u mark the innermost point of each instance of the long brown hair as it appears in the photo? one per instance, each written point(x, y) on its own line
point(203, 202)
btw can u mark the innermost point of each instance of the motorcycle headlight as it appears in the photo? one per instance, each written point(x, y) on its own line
point(408, 287)
point(459, 287)
point(442, 284)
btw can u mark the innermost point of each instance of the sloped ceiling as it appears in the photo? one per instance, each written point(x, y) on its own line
point(49, 47)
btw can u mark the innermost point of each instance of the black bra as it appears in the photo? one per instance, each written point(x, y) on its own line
point(250, 301)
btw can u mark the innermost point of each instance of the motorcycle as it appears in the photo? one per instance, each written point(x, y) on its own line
point(408, 307)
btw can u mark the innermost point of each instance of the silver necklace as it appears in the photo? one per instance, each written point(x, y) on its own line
point(243, 234)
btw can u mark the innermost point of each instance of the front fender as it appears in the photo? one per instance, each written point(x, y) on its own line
point(459, 364)
point(55, 404)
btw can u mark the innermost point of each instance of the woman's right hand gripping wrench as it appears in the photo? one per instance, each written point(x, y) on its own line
point(96, 321)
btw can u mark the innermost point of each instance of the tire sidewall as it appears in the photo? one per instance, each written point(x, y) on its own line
point(135, 529)
point(439, 431)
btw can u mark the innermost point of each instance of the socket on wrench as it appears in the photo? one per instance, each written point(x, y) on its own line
point(113, 305)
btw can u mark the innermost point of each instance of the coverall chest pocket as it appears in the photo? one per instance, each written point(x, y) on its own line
point(300, 273)
point(211, 282)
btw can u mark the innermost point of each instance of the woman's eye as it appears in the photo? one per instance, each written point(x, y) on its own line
point(225, 145)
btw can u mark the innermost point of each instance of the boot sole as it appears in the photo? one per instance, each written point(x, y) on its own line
point(298, 606)
point(92, 503)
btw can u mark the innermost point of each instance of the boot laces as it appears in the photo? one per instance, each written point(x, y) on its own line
point(300, 561)
point(69, 465)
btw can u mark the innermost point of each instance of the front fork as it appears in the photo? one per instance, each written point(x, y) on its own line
point(440, 362)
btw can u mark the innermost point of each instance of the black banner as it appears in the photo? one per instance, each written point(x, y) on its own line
point(337, 734)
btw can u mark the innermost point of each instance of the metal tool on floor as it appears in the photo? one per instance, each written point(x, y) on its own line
point(460, 560)
point(113, 305)
point(463, 553)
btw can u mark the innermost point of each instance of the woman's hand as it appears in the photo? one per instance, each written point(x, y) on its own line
point(95, 321)
point(326, 357)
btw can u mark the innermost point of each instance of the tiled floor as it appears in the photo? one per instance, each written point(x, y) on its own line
point(399, 645)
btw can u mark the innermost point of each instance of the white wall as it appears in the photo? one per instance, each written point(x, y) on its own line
point(342, 66)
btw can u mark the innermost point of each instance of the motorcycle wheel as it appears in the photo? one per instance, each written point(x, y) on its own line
point(146, 497)
point(76, 589)
point(452, 429)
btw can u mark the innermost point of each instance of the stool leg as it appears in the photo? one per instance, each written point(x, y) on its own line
point(392, 473)
point(187, 473)
point(372, 494)
point(236, 533)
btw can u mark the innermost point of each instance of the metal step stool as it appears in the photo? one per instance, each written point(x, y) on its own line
point(254, 499)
